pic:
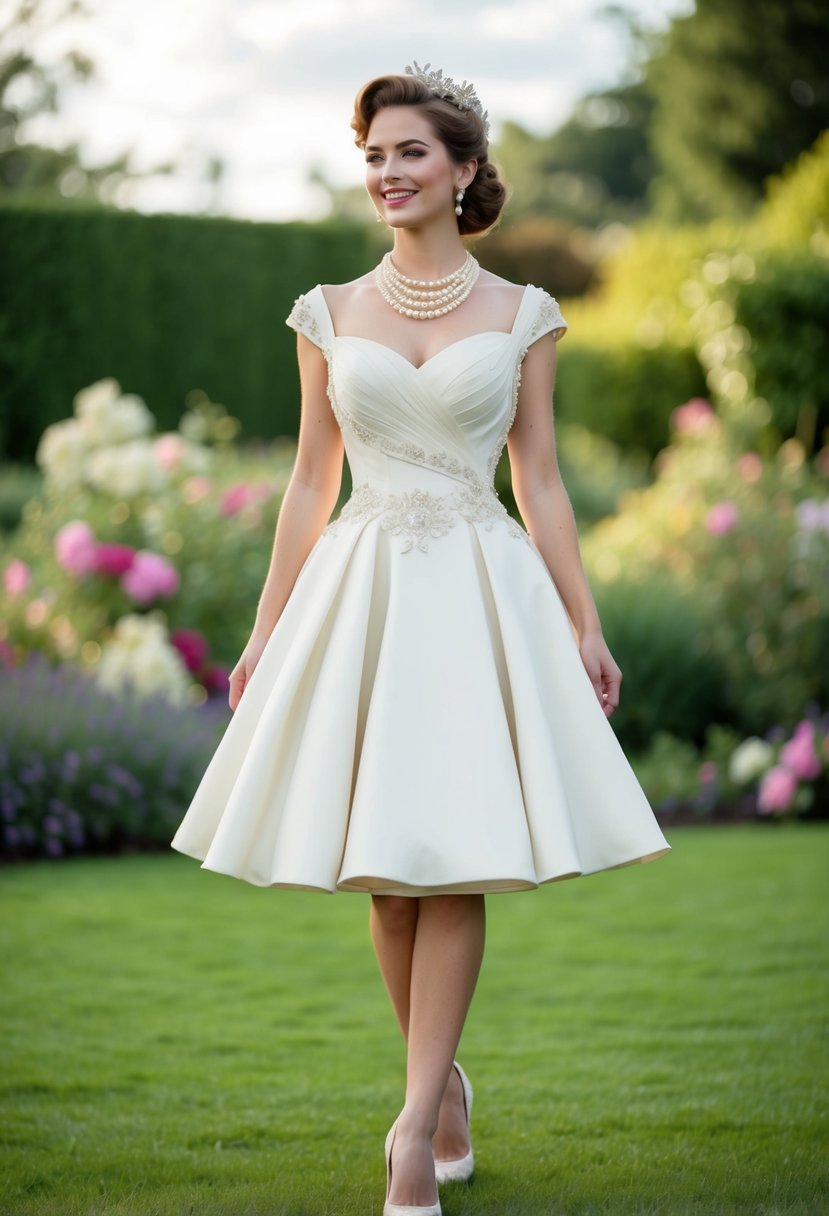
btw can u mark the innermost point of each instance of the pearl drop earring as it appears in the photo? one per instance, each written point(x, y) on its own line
point(458, 200)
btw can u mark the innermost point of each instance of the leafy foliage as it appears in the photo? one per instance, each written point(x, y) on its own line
point(746, 541)
point(671, 681)
point(740, 89)
point(592, 170)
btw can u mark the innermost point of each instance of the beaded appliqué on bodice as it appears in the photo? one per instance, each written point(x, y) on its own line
point(418, 515)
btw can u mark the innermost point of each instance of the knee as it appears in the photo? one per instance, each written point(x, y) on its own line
point(396, 913)
point(455, 909)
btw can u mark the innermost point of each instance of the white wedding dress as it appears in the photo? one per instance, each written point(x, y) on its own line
point(420, 721)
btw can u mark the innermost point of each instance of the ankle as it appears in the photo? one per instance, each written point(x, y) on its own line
point(415, 1123)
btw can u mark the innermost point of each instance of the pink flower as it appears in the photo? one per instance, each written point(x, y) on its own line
point(192, 646)
point(75, 548)
point(16, 578)
point(150, 577)
point(777, 790)
point(799, 753)
point(750, 467)
point(694, 416)
point(169, 451)
point(707, 773)
point(236, 498)
point(722, 517)
point(216, 679)
point(113, 560)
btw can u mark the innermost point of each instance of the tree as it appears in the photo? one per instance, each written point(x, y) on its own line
point(29, 88)
point(592, 170)
point(740, 89)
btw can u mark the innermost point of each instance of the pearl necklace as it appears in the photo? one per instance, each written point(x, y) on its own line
point(425, 298)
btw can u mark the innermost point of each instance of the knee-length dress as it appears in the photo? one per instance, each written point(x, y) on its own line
point(420, 721)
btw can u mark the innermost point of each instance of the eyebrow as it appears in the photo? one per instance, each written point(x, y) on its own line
point(404, 143)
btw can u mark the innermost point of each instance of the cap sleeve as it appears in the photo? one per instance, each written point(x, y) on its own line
point(547, 319)
point(309, 316)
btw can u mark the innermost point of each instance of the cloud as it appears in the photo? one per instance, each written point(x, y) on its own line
point(268, 85)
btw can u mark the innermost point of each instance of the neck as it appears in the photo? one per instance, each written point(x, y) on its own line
point(419, 255)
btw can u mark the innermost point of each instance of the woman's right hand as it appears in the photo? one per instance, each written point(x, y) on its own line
point(245, 668)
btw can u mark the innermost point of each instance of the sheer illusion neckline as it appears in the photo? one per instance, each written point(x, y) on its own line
point(484, 333)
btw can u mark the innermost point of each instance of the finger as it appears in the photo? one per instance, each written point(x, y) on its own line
point(236, 688)
point(611, 691)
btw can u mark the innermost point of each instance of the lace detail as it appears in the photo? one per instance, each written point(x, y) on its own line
point(418, 516)
point(413, 452)
point(302, 317)
point(548, 318)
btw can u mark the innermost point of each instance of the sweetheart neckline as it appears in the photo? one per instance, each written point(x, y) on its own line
point(484, 333)
point(418, 367)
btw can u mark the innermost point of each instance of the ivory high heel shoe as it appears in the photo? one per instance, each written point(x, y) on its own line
point(402, 1209)
point(461, 1168)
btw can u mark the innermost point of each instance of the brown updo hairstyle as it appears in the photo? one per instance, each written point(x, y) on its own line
point(461, 131)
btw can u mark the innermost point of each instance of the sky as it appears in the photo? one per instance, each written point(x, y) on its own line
point(268, 85)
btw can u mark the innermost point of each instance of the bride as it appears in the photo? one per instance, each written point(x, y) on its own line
point(542, 752)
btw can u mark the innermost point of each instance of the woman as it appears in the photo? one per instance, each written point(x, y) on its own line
point(421, 710)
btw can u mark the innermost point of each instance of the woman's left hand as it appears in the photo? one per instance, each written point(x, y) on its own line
point(604, 673)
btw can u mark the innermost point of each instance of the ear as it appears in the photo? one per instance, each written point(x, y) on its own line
point(466, 173)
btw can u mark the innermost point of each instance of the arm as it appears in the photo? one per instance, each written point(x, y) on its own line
point(548, 515)
point(309, 499)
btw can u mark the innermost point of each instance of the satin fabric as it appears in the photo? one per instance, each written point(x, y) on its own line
point(420, 721)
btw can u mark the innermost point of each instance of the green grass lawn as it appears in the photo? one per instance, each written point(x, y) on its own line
point(651, 1040)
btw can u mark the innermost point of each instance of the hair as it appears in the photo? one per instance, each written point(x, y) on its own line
point(461, 132)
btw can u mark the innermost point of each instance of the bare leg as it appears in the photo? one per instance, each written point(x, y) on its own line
point(445, 949)
point(393, 924)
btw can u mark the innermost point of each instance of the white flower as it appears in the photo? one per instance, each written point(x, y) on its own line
point(126, 470)
point(140, 656)
point(61, 454)
point(96, 398)
point(107, 416)
point(750, 760)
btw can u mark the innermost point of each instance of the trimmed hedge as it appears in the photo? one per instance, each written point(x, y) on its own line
point(164, 303)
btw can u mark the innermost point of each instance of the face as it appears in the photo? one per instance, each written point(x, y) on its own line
point(409, 175)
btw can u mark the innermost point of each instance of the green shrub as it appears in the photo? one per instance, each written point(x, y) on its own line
point(748, 542)
point(145, 554)
point(786, 312)
point(164, 304)
point(668, 771)
point(18, 483)
point(671, 683)
point(625, 393)
point(596, 473)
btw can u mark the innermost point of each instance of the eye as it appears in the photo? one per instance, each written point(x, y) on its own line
point(374, 156)
point(413, 152)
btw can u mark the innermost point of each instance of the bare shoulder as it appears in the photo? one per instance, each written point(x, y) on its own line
point(494, 281)
point(347, 293)
point(346, 301)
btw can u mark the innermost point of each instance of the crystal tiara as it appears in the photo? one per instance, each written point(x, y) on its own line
point(461, 95)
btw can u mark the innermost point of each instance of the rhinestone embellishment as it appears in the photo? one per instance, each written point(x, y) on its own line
point(461, 95)
point(418, 516)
